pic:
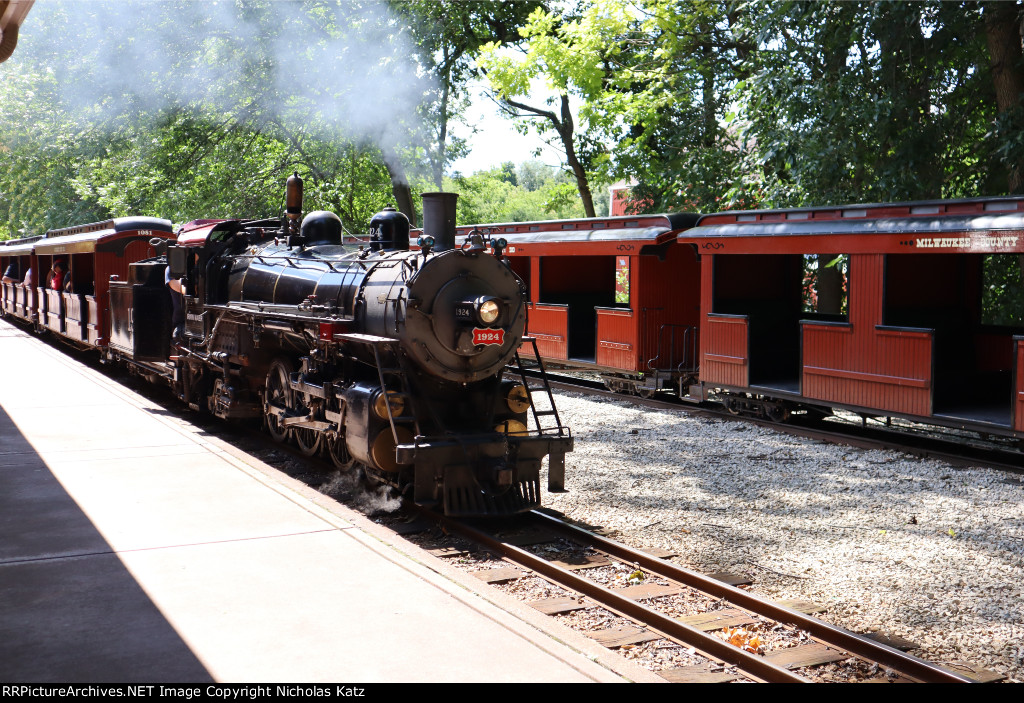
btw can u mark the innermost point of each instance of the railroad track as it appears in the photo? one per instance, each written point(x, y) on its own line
point(810, 643)
point(933, 443)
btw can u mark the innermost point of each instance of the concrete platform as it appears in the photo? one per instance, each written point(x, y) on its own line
point(135, 548)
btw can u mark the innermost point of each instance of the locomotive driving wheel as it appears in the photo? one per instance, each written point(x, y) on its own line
point(338, 451)
point(281, 398)
point(277, 398)
point(307, 440)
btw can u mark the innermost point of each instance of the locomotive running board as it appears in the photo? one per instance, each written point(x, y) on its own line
point(363, 338)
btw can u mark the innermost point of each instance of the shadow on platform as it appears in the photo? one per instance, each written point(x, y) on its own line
point(69, 609)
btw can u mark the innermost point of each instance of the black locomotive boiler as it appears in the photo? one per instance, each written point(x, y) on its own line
point(390, 360)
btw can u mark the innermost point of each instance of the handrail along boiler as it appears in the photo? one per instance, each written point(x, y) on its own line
point(388, 358)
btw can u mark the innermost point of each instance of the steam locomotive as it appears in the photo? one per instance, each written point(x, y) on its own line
point(389, 360)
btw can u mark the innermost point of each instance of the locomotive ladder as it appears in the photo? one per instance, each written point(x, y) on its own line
point(556, 460)
point(537, 414)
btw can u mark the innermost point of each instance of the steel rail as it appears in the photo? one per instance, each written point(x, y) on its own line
point(843, 639)
point(670, 627)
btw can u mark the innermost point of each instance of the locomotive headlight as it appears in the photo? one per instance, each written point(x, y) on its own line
point(489, 311)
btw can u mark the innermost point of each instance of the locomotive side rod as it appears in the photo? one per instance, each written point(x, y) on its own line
point(712, 646)
point(835, 636)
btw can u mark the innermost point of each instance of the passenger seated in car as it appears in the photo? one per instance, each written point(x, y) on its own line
point(55, 279)
point(11, 273)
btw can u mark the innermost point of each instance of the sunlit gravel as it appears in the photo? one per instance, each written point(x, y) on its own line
point(886, 541)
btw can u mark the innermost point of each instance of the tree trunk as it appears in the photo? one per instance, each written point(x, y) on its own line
point(1003, 33)
point(707, 70)
point(565, 129)
point(399, 185)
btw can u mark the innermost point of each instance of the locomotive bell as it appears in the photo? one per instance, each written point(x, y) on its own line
point(389, 230)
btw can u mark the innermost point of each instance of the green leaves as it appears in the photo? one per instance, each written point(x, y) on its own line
point(448, 35)
point(1002, 291)
point(704, 104)
point(868, 102)
point(531, 191)
point(723, 104)
point(106, 110)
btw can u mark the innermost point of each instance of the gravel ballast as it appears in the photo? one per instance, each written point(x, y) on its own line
point(888, 542)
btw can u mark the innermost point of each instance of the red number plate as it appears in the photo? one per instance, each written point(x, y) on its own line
point(487, 336)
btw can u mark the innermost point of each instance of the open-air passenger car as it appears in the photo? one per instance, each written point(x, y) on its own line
point(927, 326)
point(597, 294)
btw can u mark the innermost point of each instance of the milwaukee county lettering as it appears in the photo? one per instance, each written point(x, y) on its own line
point(967, 242)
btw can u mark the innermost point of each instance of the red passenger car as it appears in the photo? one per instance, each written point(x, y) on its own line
point(926, 326)
point(90, 256)
point(597, 295)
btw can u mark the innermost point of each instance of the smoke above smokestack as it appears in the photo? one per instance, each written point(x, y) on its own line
point(344, 66)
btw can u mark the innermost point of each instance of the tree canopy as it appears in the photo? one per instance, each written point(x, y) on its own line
point(707, 104)
point(517, 193)
point(184, 109)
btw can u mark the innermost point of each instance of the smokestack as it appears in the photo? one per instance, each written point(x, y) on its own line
point(439, 219)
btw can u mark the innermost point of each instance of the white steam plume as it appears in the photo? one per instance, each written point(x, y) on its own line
point(345, 66)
